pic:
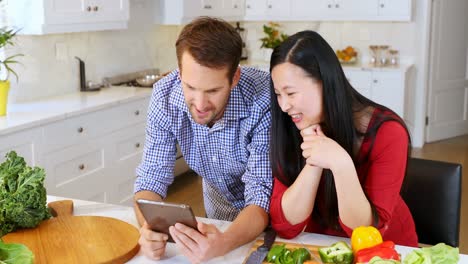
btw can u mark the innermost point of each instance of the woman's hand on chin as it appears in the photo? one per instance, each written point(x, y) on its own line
point(320, 150)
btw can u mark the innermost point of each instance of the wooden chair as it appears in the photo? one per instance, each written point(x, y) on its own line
point(432, 191)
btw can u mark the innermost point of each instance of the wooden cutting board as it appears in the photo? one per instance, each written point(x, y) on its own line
point(312, 248)
point(78, 239)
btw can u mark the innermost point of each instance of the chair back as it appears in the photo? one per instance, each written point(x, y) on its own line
point(432, 191)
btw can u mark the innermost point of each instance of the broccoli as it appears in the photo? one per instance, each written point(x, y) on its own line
point(23, 201)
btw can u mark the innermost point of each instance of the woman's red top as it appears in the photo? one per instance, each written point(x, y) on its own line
point(381, 177)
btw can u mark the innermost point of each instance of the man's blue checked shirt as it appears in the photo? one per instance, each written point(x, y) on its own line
point(232, 156)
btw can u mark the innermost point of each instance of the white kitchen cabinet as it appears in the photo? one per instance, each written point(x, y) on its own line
point(63, 16)
point(93, 156)
point(26, 143)
point(277, 10)
point(386, 87)
point(345, 10)
point(394, 10)
point(176, 12)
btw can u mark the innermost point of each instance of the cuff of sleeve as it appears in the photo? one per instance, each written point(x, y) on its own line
point(145, 184)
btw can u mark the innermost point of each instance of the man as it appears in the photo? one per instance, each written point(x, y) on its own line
point(219, 113)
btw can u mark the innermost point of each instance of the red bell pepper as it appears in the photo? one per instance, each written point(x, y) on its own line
point(385, 250)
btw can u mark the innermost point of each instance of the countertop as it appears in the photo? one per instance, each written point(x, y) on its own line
point(173, 256)
point(35, 113)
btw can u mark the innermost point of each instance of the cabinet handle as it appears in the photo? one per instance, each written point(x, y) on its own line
point(207, 6)
point(248, 6)
point(235, 6)
point(137, 112)
point(376, 81)
point(137, 145)
point(89, 8)
point(337, 6)
point(382, 5)
point(329, 6)
point(270, 6)
point(81, 166)
point(80, 130)
point(95, 8)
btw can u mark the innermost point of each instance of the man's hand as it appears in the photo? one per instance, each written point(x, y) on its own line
point(200, 245)
point(152, 244)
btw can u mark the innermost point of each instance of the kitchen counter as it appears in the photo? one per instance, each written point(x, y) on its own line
point(35, 113)
point(173, 256)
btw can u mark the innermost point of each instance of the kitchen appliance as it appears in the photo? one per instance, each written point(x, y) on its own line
point(145, 77)
point(78, 239)
point(86, 86)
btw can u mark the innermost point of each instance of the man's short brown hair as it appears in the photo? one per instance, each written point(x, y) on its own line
point(212, 42)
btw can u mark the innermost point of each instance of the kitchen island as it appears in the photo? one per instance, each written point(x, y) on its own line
point(173, 256)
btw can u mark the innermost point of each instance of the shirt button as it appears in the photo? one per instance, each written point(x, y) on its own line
point(220, 180)
point(214, 159)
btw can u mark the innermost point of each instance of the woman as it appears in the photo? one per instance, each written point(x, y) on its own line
point(338, 158)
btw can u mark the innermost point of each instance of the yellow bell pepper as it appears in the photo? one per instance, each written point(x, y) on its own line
point(365, 237)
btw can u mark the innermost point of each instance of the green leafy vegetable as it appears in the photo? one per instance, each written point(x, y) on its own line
point(15, 254)
point(23, 201)
point(438, 254)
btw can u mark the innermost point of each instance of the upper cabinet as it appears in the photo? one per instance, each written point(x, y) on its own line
point(63, 16)
point(175, 12)
point(267, 10)
point(182, 11)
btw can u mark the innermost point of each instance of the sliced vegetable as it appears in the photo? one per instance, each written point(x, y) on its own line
point(279, 254)
point(365, 237)
point(275, 252)
point(300, 255)
point(385, 250)
point(438, 254)
point(338, 253)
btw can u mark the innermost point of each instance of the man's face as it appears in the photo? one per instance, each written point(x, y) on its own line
point(206, 90)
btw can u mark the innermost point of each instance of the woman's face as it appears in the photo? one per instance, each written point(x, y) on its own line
point(299, 95)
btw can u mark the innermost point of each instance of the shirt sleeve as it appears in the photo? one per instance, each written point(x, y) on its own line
point(257, 177)
point(156, 170)
point(387, 167)
point(278, 220)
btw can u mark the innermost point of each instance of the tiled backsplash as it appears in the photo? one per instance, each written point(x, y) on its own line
point(145, 45)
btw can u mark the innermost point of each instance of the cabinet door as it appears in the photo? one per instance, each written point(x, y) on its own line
point(108, 10)
point(308, 10)
point(209, 8)
point(278, 9)
point(388, 89)
point(79, 172)
point(66, 11)
point(360, 80)
point(25, 143)
point(394, 10)
point(255, 9)
point(233, 10)
point(355, 10)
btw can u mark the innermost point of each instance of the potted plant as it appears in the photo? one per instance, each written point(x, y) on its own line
point(273, 37)
point(6, 39)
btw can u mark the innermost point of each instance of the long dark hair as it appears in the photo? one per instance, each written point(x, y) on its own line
point(309, 51)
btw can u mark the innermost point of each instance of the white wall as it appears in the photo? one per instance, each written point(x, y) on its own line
point(145, 45)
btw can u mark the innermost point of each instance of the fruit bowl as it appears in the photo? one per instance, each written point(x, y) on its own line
point(352, 60)
point(347, 55)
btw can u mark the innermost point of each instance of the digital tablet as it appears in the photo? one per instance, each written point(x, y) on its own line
point(161, 215)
